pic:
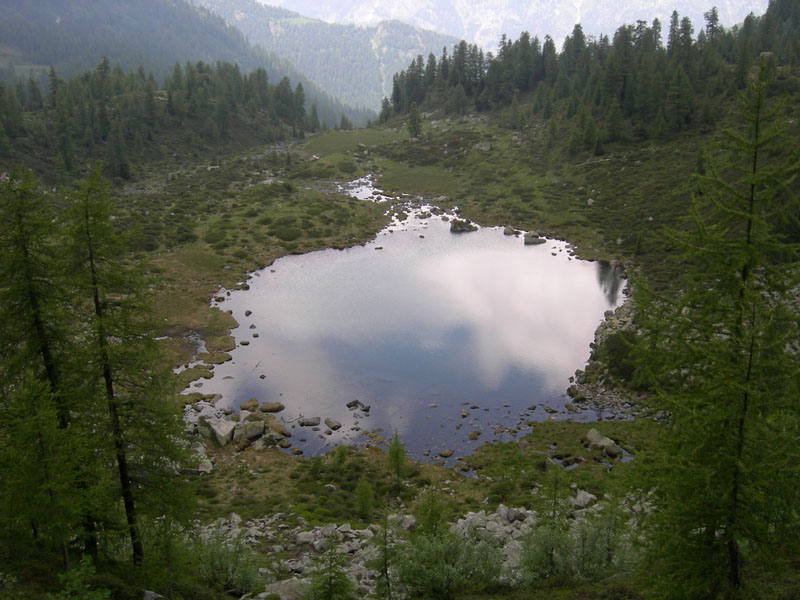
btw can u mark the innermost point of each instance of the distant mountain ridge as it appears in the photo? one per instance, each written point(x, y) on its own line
point(484, 21)
point(74, 37)
point(354, 63)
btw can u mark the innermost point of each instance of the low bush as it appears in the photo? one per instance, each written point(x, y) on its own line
point(226, 564)
point(444, 565)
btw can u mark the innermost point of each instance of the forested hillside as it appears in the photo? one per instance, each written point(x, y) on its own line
point(74, 37)
point(130, 123)
point(353, 63)
point(647, 81)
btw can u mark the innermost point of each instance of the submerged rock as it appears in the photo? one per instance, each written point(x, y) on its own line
point(333, 423)
point(532, 238)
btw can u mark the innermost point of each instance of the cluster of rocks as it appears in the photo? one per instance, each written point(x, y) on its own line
point(596, 393)
point(255, 424)
point(296, 548)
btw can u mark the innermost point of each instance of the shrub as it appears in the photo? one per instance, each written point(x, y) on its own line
point(328, 579)
point(444, 565)
point(364, 499)
point(75, 585)
point(227, 564)
point(593, 548)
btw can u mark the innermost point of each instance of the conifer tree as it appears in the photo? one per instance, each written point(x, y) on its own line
point(122, 365)
point(414, 121)
point(722, 360)
point(396, 457)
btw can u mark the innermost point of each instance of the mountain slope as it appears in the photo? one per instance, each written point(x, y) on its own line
point(353, 63)
point(484, 21)
point(75, 36)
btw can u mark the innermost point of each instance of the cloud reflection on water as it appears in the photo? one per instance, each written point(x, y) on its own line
point(474, 317)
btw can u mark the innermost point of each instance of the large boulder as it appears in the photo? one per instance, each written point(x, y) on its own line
point(248, 430)
point(582, 499)
point(305, 537)
point(286, 589)
point(309, 421)
point(610, 447)
point(218, 430)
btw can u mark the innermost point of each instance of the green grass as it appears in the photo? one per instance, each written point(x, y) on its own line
point(426, 180)
point(340, 142)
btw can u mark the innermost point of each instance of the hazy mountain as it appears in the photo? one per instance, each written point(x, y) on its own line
point(74, 37)
point(354, 63)
point(484, 21)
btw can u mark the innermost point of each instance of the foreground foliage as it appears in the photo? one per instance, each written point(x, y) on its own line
point(722, 358)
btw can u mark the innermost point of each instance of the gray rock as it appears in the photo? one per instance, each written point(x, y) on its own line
point(305, 537)
point(582, 499)
point(532, 238)
point(502, 512)
point(271, 407)
point(509, 231)
point(249, 430)
point(333, 423)
point(288, 589)
point(309, 421)
point(610, 447)
point(221, 430)
point(148, 595)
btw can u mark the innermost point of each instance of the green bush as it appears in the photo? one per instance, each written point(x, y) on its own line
point(444, 565)
point(74, 584)
point(228, 565)
point(594, 548)
point(328, 578)
point(617, 353)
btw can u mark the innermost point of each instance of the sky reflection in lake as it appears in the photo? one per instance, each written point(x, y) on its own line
point(431, 324)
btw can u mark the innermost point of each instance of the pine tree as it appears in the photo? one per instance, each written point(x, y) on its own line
point(122, 367)
point(35, 408)
point(721, 358)
point(414, 121)
point(396, 457)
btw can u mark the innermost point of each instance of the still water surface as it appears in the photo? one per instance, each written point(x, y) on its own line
point(439, 333)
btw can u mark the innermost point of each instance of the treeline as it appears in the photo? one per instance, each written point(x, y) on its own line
point(90, 443)
point(123, 118)
point(73, 37)
point(636, 85)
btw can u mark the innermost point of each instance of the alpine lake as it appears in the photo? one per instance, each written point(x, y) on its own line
point(450, 339)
